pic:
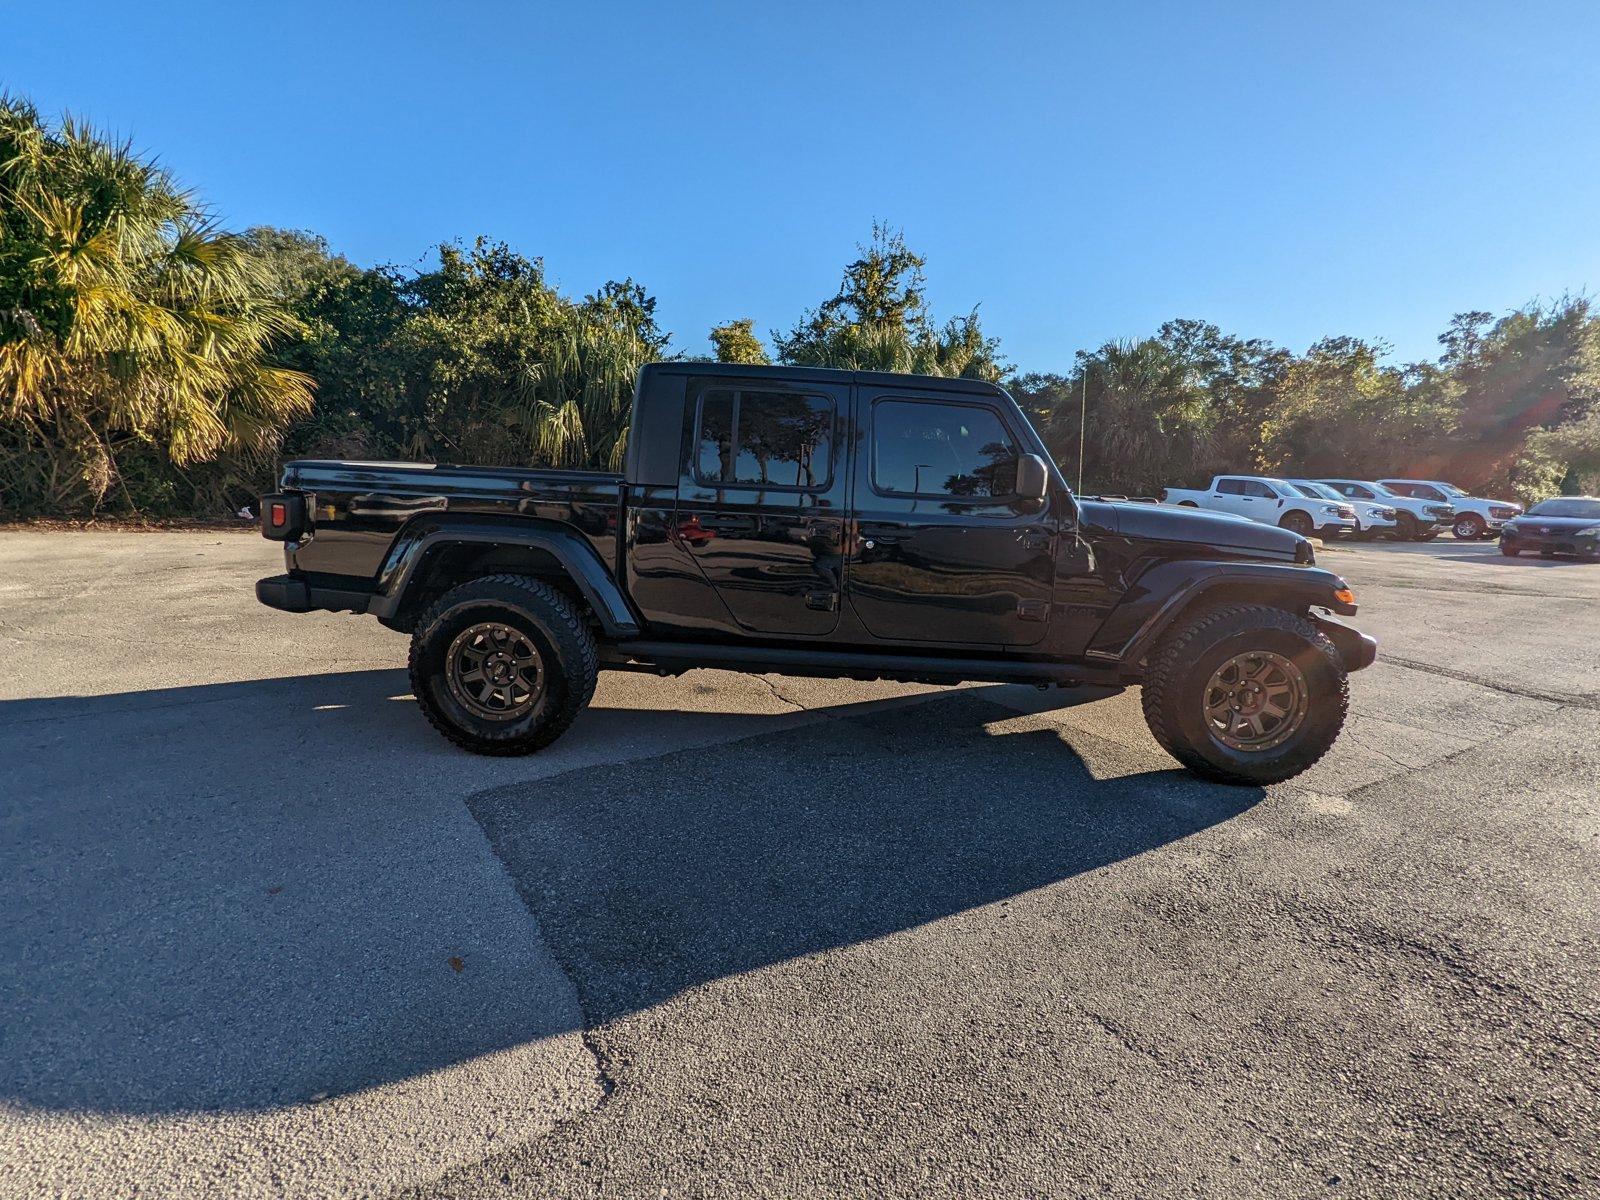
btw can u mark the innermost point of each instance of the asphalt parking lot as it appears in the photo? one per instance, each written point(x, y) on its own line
point(266, 934)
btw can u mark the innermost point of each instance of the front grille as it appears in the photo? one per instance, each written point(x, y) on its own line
point(1442, 512)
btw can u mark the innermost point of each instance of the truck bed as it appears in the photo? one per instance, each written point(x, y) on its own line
point(357, 508)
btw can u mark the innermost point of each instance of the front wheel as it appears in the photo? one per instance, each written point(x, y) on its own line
point(1246, 694)
point(1469, 527)
point(1298, 522)
point(503, 665)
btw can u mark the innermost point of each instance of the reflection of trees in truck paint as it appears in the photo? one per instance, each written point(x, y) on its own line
point(746, 437)
point(997, 476)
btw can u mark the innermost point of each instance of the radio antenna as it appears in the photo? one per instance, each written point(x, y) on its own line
point(1083, 423)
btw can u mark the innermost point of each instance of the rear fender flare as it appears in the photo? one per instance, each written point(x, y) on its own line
point(576, 555)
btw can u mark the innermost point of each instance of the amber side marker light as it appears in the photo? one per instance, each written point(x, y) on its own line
point(1344, 595)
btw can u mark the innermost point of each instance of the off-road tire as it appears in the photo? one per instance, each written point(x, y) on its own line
point(1510, 551)
point(1298, 522)
point(1469, 528)
point(565, 644)
point(1181, 666)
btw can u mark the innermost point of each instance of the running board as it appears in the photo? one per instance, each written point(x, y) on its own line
point(674, 658)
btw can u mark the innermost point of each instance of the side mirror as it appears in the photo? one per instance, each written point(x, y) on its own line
point(1033, 478)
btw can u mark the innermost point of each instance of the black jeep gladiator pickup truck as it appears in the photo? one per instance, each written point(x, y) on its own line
point(817, 522)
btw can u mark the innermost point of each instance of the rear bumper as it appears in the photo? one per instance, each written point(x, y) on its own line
point(1357, 650)
point(290, 594)
point(284, 592)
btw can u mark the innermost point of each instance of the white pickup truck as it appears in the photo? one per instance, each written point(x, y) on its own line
point(1270, 501)
point(1415, 520)
point(1475, 517)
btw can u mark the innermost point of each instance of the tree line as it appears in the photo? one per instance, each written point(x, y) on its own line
point(152, 362)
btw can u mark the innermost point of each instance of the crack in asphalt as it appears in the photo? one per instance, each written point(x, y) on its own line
point(1563, 698)
point(1481, 590)
point(777, 693)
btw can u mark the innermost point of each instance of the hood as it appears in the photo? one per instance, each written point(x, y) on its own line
point(1195, 527)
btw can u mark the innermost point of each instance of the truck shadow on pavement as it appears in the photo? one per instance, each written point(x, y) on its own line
point(651, 877)
point(238, 896)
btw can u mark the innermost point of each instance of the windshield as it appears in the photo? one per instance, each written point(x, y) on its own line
point(1570, 506)
point(1449, 489)
point(1317, 491)
point(1379, 490)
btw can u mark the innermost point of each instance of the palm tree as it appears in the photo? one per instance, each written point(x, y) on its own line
point(128, 321)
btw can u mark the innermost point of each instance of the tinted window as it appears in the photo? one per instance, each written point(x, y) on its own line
point(928, 449)
point(1230, 487)
point(1356, 490)
point(1254, 487)
point(1588, 509)
point(765, 439)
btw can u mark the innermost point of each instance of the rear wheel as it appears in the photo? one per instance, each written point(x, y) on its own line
point(1298, 522)
point(1246, 694)
point(503, 665)
point(1469, 527)
point(1510, 551)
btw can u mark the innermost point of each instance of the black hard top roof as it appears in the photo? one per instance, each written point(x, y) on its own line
point(825, 375)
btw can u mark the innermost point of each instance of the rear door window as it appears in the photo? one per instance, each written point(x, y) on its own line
point(764, 439)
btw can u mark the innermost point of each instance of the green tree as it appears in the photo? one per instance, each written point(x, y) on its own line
point(879, 320)
point(132, 328)
point(1519, 379)
point(500, 368)
point(1339, 410)
point(736, 342)
point(1150, 418)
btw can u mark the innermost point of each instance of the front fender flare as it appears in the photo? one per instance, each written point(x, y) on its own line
point(576, 556)
point(1163, 591)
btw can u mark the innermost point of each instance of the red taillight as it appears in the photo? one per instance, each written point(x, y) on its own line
point(280, 516)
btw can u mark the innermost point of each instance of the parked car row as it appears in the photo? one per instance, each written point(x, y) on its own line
point(1404, 509)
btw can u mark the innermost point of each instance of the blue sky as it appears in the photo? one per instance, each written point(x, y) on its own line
point(1080, 172)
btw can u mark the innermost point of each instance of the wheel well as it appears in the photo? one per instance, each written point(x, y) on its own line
point(1222, 596)
point(444, 567)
